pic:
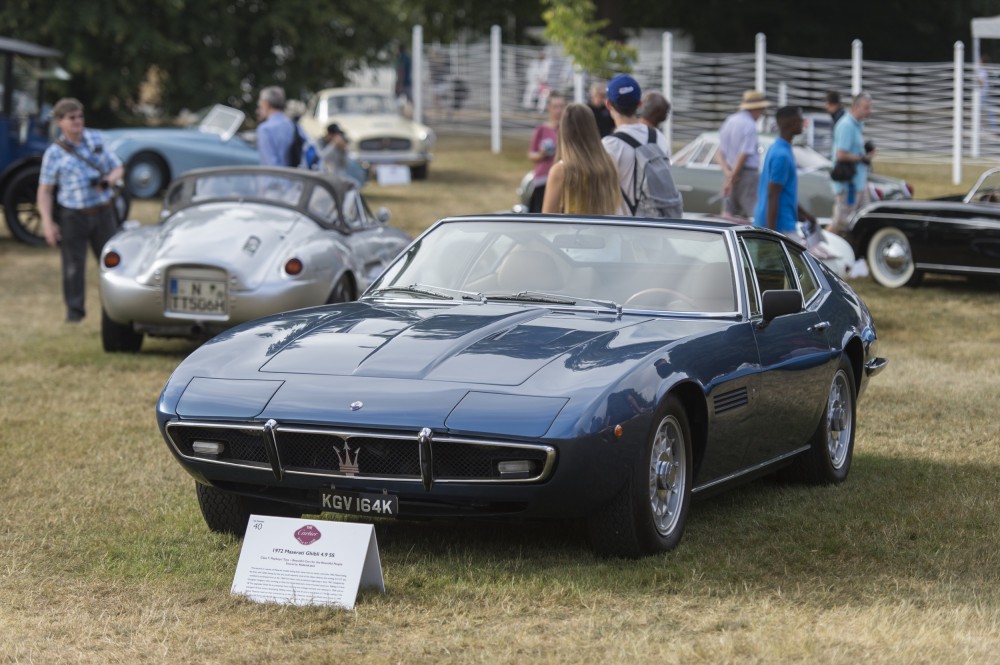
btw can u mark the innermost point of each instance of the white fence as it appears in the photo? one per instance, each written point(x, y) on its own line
point(922, 111)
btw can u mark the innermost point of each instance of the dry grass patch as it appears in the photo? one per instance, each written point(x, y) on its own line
point(104, 557)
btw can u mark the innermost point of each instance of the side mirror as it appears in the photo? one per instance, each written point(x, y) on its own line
point(779, 303)
point(383, 215)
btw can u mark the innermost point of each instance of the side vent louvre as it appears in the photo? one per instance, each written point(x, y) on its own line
point(734, 399)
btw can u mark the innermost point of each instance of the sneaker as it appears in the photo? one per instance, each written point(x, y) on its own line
point(74, 317)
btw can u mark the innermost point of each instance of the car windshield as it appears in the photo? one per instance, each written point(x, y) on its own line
point(355, 104)
point(238, 186)
point(987, 189)
point(653, 268)
point(223, 121)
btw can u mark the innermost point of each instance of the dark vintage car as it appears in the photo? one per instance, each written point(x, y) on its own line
point(238, 243)
point(960, 235)
point(530, 366)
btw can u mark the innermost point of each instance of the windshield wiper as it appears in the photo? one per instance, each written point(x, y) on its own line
point(438, 292)
point(557, 299)
point(535, 296)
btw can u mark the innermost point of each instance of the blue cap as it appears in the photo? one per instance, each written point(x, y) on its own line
point(624, 90)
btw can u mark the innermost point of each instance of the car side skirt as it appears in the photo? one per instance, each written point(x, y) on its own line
point(746, 475)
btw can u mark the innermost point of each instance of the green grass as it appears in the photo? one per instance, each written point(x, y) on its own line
point(104, 557)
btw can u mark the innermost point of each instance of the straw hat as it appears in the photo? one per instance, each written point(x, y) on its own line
point(753, 100)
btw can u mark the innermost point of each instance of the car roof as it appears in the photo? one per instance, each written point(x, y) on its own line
point(331, 92)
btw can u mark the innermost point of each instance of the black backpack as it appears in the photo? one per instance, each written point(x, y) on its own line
point(298, 145)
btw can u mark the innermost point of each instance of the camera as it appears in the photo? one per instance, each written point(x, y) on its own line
point(100, 183)
point(869, 146)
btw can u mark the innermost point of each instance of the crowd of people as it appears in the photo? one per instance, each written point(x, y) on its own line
point(572, 176)
point(606, 157)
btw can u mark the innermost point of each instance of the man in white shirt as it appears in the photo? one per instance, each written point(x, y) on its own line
point(739, 157)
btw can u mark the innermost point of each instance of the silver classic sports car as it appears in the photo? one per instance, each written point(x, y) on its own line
point(235, 244)
point(601, 369)
point(699, 177)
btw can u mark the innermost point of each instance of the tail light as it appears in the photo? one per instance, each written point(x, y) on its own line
point(909, 188)
point(293, 267)
point(112, 259)
point(879, 194)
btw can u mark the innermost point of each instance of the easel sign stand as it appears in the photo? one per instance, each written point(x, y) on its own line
point(307, 562)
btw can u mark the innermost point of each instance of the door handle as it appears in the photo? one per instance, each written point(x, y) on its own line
point(819, 327)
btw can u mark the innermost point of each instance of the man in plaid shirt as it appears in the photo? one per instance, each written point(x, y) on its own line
point(84, 171)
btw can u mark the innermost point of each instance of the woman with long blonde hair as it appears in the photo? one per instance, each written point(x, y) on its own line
point(584, 178)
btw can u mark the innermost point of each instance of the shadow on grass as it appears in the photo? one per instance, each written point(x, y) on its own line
point(893, 518)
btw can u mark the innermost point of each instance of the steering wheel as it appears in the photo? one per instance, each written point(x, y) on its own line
point(656, 293)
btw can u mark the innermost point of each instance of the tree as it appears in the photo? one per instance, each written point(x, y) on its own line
point(204, 51)
point(571, 24)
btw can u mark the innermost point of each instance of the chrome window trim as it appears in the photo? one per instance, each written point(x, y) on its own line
point(544, 474)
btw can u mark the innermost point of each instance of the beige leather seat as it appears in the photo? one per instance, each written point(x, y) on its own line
point(529, 270)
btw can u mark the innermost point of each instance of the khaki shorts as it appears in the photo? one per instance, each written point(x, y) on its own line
point(842, 212)
point(743, 198)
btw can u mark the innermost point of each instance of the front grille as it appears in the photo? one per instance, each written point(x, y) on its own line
point(385, 144)
point(323, 452)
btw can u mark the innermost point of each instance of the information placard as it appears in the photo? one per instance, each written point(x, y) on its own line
point(307, 562)
point(392, 174)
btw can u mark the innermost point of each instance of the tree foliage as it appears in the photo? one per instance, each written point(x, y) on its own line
point(572, 25)
point(205, 51)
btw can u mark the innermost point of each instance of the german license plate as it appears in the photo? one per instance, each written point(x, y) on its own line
point(197, 296)
point(360, 503)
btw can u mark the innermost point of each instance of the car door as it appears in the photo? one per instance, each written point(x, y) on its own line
point(795, 356)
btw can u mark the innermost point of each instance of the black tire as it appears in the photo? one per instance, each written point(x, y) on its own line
point(649, 514)
point(146, 175)
point(229, 513)
point(343, 291)
point(419, 172)
point(831, 448)
point(890, 258)
point(119, 337)
point(20, 207)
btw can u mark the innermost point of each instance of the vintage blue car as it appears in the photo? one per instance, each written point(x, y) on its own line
point(155, 156)
point(517, 366)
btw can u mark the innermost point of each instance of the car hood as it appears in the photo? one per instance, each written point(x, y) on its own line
point(241, 238)
point(383, 365)
point(359, 127)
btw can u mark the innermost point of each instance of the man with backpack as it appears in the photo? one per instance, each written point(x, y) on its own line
point(641, 154)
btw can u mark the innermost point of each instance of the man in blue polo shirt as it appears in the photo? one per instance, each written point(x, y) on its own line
point(85, 172)
point(849, 146)
point(778, 192)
